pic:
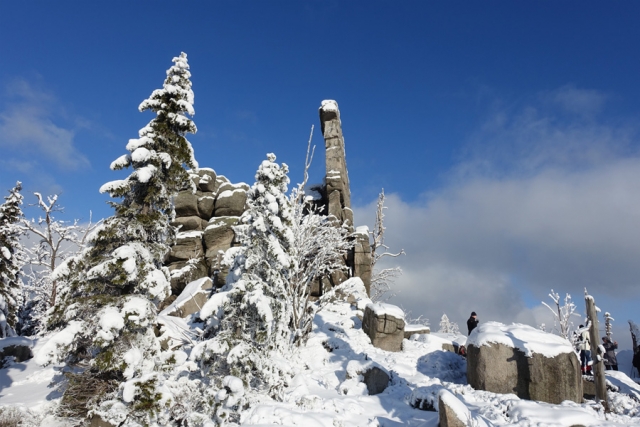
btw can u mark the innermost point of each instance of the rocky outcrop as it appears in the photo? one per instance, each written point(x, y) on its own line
point(384, 324)
point(336, 195)
point(514, 365)
point(205, 220)
point(214, 206)
point(337, 178)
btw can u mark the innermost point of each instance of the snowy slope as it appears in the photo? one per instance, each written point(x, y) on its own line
point(327, 390)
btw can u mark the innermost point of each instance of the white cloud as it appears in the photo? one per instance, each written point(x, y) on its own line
point(30, 127)
point(535, 203)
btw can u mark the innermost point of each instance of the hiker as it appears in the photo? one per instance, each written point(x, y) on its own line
point(472, 322)
point(610, 360)
point(584, 346)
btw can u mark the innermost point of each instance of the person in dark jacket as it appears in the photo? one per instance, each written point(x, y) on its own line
point(610, 360)
point(472, 322)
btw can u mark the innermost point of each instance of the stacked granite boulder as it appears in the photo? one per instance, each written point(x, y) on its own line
point(205, 220)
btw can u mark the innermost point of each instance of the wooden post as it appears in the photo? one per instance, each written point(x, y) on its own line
point(596, 354)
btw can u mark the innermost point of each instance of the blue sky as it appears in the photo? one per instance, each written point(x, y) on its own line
point(504, 133)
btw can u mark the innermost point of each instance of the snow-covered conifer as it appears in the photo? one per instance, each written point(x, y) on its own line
point(248, 331)
point(11, 261)
point(107, 308)
point(447, 326)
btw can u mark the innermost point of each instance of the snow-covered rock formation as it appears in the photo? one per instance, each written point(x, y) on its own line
point(207, 218)
point(520, 359)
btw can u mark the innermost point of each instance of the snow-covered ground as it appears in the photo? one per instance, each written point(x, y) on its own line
point(328, 391)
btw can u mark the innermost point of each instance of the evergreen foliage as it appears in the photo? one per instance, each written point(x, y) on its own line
point(11, 261)
point(107, 305)
point(248, 329)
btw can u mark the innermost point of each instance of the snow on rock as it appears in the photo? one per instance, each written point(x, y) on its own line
point(22, 341)
point(329, 105)
point(380, 309)
point(527, 339)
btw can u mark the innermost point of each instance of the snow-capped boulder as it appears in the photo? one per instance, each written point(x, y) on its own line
point(219, 235)
point(525, 361)
point(384, 323)
point(18, 347)
point(186, 204)
point(373, 375)
point(207, 181)
point(188, 223)
point(451, 411)
point(231, 201)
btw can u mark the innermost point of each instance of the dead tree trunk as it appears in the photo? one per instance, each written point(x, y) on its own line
point(596, 353)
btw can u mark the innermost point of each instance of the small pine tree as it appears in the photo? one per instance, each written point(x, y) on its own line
point(248, 331)
point(109, 301)
point(11, 261)
point(448, 327)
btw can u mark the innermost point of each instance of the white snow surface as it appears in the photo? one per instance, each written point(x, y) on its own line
point(523, 337)
point(327, 389)
point(9, 341)
point(329, 105)
point(380, 309)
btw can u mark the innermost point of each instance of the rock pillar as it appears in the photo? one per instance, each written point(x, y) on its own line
point(337, 178)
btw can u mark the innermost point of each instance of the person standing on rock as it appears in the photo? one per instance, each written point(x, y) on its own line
point(472, 322)
point(584, 346)
point(610, 360)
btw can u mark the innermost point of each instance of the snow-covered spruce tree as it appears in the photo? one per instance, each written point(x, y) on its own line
point(107, 307)
point(248, 322)
point(11, 261)
point(447, 326)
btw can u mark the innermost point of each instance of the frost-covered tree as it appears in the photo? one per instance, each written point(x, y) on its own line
point(318, 248)
point(55, 240)
point(382, 279)
point(447, 326)
point(562, 314)
point(107, 308)
point(11, 261)
point(248, 322)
